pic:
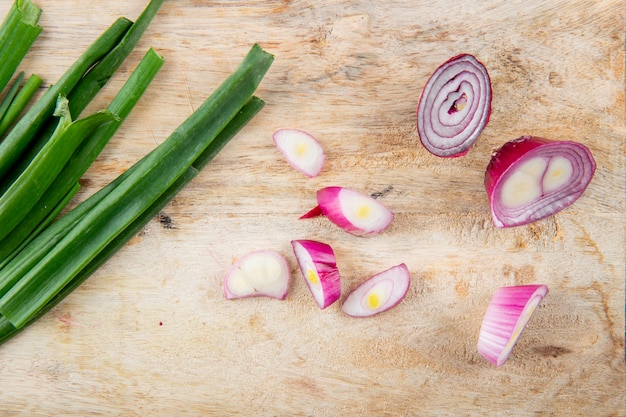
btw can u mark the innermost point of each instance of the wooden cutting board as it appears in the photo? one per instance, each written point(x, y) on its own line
point(150, 333)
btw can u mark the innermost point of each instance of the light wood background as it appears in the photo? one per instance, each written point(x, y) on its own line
point(150, 334)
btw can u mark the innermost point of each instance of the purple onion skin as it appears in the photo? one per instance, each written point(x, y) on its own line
point(514, 151)
point(467, 145)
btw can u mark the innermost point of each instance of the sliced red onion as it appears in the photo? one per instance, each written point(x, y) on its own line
point(381, 292)
point(508, 313)
point(319, 269)
point(356, 213)
point(454, 106)
point(258, 273)
point(531, 178)
point(303, 152)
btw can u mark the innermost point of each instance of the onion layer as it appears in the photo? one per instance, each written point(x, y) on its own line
point(258, 273)
point(531, 178)
point(454, 106)
point(319, 269)
point(356, 213)
point(381, 292)
point(303, 152)
point(508, 313)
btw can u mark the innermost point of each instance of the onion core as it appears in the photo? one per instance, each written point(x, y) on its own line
point(454, 106)
point(531, 178)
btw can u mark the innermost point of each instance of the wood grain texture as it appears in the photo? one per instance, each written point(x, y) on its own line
point(150, 334)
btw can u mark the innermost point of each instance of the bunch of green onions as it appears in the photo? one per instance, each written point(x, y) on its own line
point(44, 256)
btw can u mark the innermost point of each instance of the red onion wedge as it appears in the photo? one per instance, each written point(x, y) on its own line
point(454, 106)
point(508, 313)
point(356, 213)
point(531, 178)
point(379, 293)
point(258, 273)
point(303, 152)
point(319, 269)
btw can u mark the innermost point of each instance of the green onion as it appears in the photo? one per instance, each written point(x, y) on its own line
point(10, 95)
point(98, 76)
point(50, 215)
point(7, 330)
point(26, 190)
point(17, 104)
point(18, 32)
point(133, 195)
point(85, 155)
point(19, 138)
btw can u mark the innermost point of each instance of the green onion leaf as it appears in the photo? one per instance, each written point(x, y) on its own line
point(18, 32)
point(28, 188)
point(19, 103)
point(10, 95)
point(98, 76)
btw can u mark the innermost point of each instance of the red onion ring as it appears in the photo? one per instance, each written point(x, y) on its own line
point(454, 106)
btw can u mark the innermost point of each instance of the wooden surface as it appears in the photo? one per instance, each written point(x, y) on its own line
point(150, 334)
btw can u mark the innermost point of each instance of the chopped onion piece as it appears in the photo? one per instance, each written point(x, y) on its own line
point(356, 213)
point(531, 178)
point(454, 106)
point(258, 273)
point(505, 319)
point(319, 269)
point(302, 151)
point(379, 293)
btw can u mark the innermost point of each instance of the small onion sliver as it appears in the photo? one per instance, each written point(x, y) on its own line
point(355, 212)
point(301, 150)
point(258, 273)
point(506, 317)
point(379, 293)
point(454, 106)
point(531, 178)
point(319, 268)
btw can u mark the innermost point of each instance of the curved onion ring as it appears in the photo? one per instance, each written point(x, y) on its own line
point(506, 317)
point(531, 178)
point(454, 106)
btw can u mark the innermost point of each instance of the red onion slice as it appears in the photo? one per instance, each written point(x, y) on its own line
point(506, 317)
point(454, 106)
point(356, 213)
point(531, 178)
point(319, 269)
point(380, 293)
point(303, 152)
point(258, 273)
